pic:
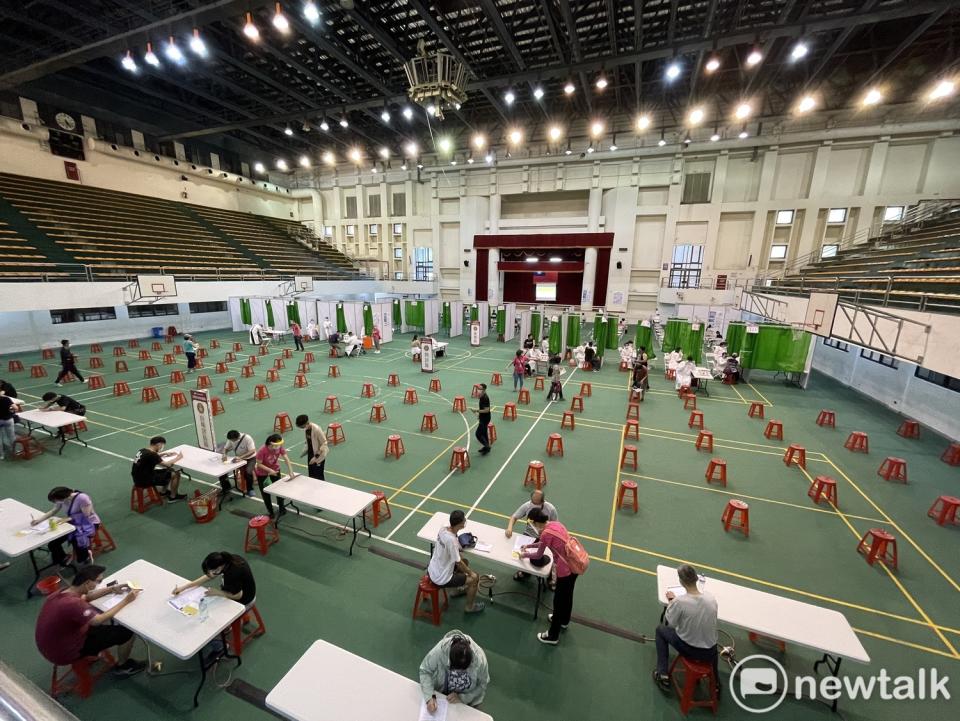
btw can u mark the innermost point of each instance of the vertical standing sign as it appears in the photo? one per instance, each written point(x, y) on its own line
point(426, 355)
point(475, 332)
point(203, 419)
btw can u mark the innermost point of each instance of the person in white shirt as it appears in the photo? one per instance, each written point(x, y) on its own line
point(628, 354)
point(352, 343)
point(537, 500)
point(447, 569)
point(673, 359)
point(690, 627)
point(685, 373)
point(327, 327)
point(545, 344)
point(312, 332)
point(256, 334)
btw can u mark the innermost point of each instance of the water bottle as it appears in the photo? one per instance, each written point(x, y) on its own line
point(204, 610)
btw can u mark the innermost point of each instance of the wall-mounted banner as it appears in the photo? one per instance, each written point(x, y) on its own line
point(203, 419)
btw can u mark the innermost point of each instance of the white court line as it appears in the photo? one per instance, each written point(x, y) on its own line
point(135, 429)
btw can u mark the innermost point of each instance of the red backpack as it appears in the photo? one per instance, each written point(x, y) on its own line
point(574, 553)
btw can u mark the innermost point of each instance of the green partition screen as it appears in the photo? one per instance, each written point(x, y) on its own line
point(573, 330)
point(644, 339)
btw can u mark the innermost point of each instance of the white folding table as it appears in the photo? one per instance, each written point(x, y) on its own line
point(703, 376)
point(65, 424)
point(824, 630)
point(440, 349)
point(328, 683)
point(204, 462)
point(500, 553)
point(152, 618)
point(18, 537)
point(341, 500)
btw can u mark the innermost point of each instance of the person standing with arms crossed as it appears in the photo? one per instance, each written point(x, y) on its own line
point(68, 363)
point(483, 420)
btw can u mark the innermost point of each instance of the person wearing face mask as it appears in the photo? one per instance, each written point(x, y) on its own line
point(153, 467)
point(236, 578)
point(268, 469)
point(456, 668)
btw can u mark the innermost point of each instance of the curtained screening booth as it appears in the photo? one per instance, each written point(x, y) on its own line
point(413, 316)
point(239, 313)
point(644, 338)
point(446, 319)
point(383, 317)
point(524, 316)
point(599, 335)
point(736, 333)
point(431, 316)
point(456, 318)
point(481, 312)
point(397, 315)
point(778, 348)
point(613, 336)
point(573, 330)
point(555, 333)
point(510, 321)
point(686, 335)
point(537, 325)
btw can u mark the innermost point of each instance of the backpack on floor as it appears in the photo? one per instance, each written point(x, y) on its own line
point(574, 553)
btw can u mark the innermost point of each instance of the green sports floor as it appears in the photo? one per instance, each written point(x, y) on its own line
point(308, 588)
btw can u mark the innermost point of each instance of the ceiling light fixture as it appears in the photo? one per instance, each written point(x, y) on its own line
point(419, 165)
point(531, 259)
point(643, 122)
point(569, 150)
point(806, 104)
point(404, 165)
point(602, 82)
point(324, 125)
point(329, 158)
point(663, 140)
point(431, 110)
point(613, 142)
point(687, 140)
point(743, 133)
point(754, 57)
point(344, 123)
point(173, 52)
point(408, 112)
point(280, 21)
point(509, 97)
point(538, 92)
point(569, 88)
point(596, 128)
point(799, 51)
point(150, 57)
point(556, 259)
point(713, 64)
point(590, 148)
point(716, 135)
point(384, 152)
point(696, 116)
point(258, 168)
point(249, 29)
point(488, 158)
point(385, 114)
point(554, 133)
point(355, 155)
point(288, 131)
point(470, 159)
point(197, 45)
point(411, 149)
point(743, 111)
point(479, 141)
point(515, 136)
point(673, 70)
point(311, 13)
point(873, 97)
point(943, 89)
point(128, 63)
point(444, 144)
point(304, 161)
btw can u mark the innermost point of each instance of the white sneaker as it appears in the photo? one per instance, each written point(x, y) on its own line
point(59, 385)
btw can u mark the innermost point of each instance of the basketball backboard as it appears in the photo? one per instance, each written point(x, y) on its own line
point(821, 310)
point(150, 289)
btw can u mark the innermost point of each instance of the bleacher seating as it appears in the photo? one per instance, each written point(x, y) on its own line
point(121, 234)
point(918, 266)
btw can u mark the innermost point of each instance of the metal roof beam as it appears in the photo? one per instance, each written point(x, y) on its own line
point(506, 39)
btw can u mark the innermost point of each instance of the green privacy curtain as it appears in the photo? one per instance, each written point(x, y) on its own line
point(367, 319)
point(293, 313)
point(573, 330)
point(612, 335)
point(736, 333)
point(245, 315)
point(671, 334)
point(501, 321)
point(776, 348)
point(474, 313)
point(535, 325)
point(269, 314)
point(445, 318)
point(397, 317)
point(556, 336)
point(413, 312)
point(679, 334)
point(599, 335)
point(644, 339)
point(341, 319)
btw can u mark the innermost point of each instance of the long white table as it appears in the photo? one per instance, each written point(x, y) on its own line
point(341, 500)
point(204, 462)
point(821, 629)
point(18, 537)
point(59, 421)
point(703, 376)
point(500, 553)
point(152, 618)
point(328, 683)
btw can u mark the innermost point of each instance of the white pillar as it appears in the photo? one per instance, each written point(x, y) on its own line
point(316, 200)
point(493, 276)
point(589, 277)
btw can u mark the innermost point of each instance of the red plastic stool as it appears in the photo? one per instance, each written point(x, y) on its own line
point(14, 366)
point(491, 433)
point(410, 397)
point(238, 347)
point(278, 363)
point(214, 343)
point(669, 374)
point(143, 498)
point(585, 366)
point(378, 413)
point(632, 429)
point(333, 353)
point(239, 639)
point(393, 380)
point(538, 383)
point(253, 360)
point(282, 423)
point(689, 401)
point(477, 391)
point(774, 430)
point(630, 486)
point(176, 376)
point(893, 469)
point(221, 367)
point(555, 444)
point(823, 488)
point(756, 410)
point(536, 475)
point(909, 429)
point(428, 591)
point(335, 434)
point(26, 447)
point(796, 454)
point(134, 343)
point(96, 348)
point(496, 379)
point(120, 366)
point(102, 541)
point(857, 441)
point(333, 372)
point(168, 359)
point(202, 353)
point(567, 420)
point(693, 672)
point(705, 441)
point(81, 675)
point(736, 515)
point(149, 394)
point(332, 405)
point(434, 385)
point(524, 397)
point(309, 357)
point(177, 399)
point(94, 382)
point(951, 456)
point(378, 514)
point(121, 388)
point(586, 389)
point(630, 451)
point(229, 357)
point(143, 355)
point(394, 447)
point(460, 459)
point(695, 420)
point(260, 535)
point(260, 392)
point(717, 471)
point(429, 423)
point(633, 411)
point(576, 404)
point(178, 350)
point(510, 411)
point(118, 351)
point(203, 380)
point(263, 350)
point(367, 391)
point(944, 510)
point(38, 372)
point(879, 545)
point(95, 362)
point(230, 386)
point(459, 404)
point(300, 381)
point(216, 406)
point(302, 367)
point(827, 418)
point(46, 354)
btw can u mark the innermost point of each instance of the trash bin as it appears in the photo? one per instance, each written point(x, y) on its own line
point(157, 331)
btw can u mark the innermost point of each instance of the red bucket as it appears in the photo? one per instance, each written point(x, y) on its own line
point(48, 585)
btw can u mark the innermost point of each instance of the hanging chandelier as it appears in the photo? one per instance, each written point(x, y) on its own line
point(437, 81)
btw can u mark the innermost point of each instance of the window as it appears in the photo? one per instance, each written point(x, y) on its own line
point(373, 206)
point(778, 252)
point(398, 275)
point(149, 311)
point(837, 215)
point(399, 203)
point(398, 228)
point(423, 263)
point(351, 231)
point(211, 306)
point(784, 217)
point(351, 202)
point(893, 213)
point(829, 251)
point(696, 188)
point(398, 253)
point(328, 231)
point(884, 360)
point(82, 315)
point(834, 343)
point(374, 229)
point(686, 266)
point(938, 379)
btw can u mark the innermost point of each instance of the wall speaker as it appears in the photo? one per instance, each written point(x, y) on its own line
point(619, 265)
point(466, 264)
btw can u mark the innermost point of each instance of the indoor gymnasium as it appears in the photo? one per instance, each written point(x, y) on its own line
point(479, 360)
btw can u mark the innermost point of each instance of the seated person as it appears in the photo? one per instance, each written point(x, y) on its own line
point(690, 627)
point(640, 379)
point(256, 334)
point(151, 467)
point(77, 508)
point(353, 343)
point(579, 354)
point(590, 356)
point(335, 342)
point(312, 332)
point(545, 344)
point(69, 628)
point(415, 347)
point(447, 568)
point(731, 371)
point(59, 402)
point(628, 353)
point(244, 448)
point(673, 359)
point(236, 578)
point(528, 342)
point(456, 668)
point(685, 373)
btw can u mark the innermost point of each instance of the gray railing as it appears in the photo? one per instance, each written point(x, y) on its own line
point(76, 272)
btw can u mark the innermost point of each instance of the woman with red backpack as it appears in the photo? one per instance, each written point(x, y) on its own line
point(571, 561)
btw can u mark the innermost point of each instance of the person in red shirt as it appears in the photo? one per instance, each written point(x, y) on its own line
point(297, 335)
point(566, 578)
point(69, 628)
point(376, 339)
point(268, 469)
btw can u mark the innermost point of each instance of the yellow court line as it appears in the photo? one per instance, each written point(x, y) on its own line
point(901, 642)
point(734, 389)
point(437, 457)
point(616, 491)
point(762, 397)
